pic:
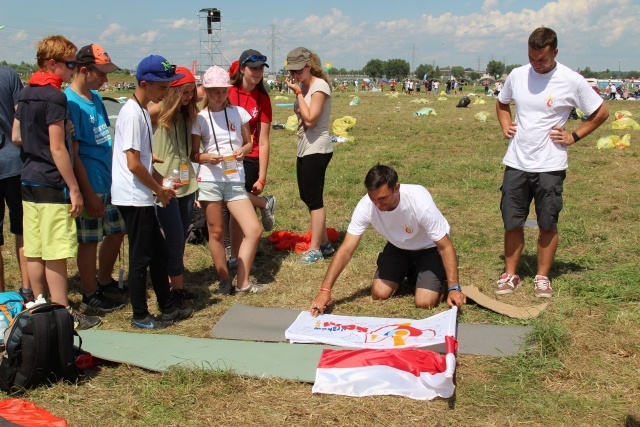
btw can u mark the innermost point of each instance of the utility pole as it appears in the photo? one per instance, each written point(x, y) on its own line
point(272, 36)
point(479, 62)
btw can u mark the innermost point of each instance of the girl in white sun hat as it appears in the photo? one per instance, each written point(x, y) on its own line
point(223, 131)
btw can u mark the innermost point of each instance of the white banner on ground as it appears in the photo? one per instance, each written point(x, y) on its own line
point(372, 332)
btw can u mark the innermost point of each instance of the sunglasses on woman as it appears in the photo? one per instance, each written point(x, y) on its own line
point(255, 58)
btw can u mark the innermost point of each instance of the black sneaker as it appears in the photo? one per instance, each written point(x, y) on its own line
point(177, 314)
point(225, 288)
point(112, 286)
point(27, 295)
point(100, 303)
point(183, 294)
point(82, 322)
point(150, 322)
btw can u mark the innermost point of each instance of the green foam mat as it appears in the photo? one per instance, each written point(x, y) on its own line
point(158, 352)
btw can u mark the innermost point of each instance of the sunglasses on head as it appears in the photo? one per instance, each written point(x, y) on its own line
point(69, 64)
point(254, 58)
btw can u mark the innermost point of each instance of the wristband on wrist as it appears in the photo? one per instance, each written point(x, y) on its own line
point(298, 92)
point(455, 287)
point(325, 290)
point(575, 136)
point(262, 182)
point(197, 157)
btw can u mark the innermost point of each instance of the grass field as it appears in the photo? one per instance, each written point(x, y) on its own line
point(581, 365)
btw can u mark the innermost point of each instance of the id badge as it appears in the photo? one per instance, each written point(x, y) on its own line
point(184, 173)
point(229, 165)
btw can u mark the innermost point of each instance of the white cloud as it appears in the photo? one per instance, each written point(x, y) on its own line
point(183, 23)
point(99, 17)
point(18, 36)
point(117, 34)
point(489, 5)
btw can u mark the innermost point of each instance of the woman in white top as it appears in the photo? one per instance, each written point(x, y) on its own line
point(223, 131)
point(313, 108)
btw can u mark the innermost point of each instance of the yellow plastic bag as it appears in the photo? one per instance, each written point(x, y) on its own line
point(621, 114)
point(625, 142)
point(443, 98)
point(481, 116)
point(625, 123)
point(342, 126)
point(280, 98)
point(610, 141)
point(479, 101)
point(292, 123)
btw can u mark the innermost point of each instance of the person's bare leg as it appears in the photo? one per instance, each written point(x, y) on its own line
point(37, 278)
point(426, 298)
point(109, 250)
point(56, 274)
point(547, 246)
point(513, 246)
point(251, 230)
point(215, 226)
point(86, 260)
point(383, 289)
point(23, 261)
point(318, 228)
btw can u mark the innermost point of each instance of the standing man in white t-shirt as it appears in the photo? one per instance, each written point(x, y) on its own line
point(544, 92)
point(418, 243)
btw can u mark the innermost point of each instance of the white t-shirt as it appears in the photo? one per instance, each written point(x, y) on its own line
point(133, 130)
point(237, 116)
point(543, 101)
point(416, 223)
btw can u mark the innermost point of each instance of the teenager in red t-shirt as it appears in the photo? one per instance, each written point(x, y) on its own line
point(248, 92)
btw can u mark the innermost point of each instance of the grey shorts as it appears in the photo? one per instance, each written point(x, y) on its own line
point(424, 266)
point(519, 188)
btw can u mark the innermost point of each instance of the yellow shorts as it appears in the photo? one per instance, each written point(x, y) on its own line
point(49, 231)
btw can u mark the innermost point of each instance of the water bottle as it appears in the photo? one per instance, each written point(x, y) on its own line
point(171, 179)
point(3, 327)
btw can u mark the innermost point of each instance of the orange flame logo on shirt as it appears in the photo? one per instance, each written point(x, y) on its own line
point(549, 100)
point(408, 229)
point(232, 125)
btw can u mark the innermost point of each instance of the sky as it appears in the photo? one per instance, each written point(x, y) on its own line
point(601, 34)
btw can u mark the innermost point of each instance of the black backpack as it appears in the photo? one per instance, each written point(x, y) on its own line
point(464, 102)
point(39, 348)
point(197, 233)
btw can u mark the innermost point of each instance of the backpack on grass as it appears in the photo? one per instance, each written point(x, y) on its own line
point(38, 348)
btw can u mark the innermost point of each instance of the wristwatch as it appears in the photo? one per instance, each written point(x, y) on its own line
point(455, 287)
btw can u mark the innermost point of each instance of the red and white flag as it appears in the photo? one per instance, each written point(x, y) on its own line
point(409, 372)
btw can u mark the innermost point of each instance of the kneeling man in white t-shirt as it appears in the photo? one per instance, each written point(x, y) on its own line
point(418, 244)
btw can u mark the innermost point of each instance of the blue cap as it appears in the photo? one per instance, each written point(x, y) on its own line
point(155, 68)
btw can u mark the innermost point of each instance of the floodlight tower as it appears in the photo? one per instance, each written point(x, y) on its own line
point(210, 21)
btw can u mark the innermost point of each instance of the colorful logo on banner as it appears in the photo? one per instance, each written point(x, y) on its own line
point(398, 333)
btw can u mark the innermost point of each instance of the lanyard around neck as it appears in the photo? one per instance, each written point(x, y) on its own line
point(186, 137)
point(145, 121)
point(213, 130)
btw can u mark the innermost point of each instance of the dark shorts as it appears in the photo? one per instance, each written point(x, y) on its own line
point(394, 264)
point(310, 171)
point(251, 172)
point(11, 193)
point(519, 188)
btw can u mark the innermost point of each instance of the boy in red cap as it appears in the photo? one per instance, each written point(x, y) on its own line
point(92, 148)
